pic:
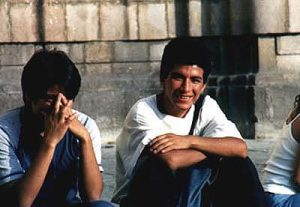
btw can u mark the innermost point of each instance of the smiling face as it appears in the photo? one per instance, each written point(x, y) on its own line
point(182, 88)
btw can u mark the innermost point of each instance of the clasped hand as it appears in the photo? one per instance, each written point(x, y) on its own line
point(168, 142)
point(62, 118)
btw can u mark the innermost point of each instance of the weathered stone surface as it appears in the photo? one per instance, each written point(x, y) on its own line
point(130, 51)
point(156, 50)
point(24, 27)
point(288, 45)
point(289, 67)
point(75, 20)
point(11, 75)
point(267, 54)
point(112, 21)
point(97, 52)
point(80, 17)
point(171, 19)
point(131, 69)
point(272, 108)
point(16, 54)
point(270, 19)
point(9, 100)
point(55, 23)
point(195, 26)
point(294, 15)
point(76, 52)
point(152, 21)
point(98, 70)
point(5, 35)
point(259, 151)
point(132, 12)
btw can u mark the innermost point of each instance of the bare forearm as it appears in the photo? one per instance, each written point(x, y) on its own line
point(297, 169)
point(33, 180)
point(92, 178)
point(297, 176)
point(177, 159)
point(227, 146)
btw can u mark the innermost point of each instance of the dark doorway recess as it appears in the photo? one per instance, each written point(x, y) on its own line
point(233, 79)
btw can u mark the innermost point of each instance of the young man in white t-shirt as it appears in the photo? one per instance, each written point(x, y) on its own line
point(158, 162)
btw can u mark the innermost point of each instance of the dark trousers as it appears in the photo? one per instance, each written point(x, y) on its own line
point(237, 185)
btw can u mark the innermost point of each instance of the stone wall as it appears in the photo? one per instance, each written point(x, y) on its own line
point(277, 82)
point(117, 45)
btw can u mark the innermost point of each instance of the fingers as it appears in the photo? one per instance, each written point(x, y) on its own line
point(167, 142)
point(67, 112)
point(161, 143)
point(70, 117)
point(64, 100)
point(60, 102)
point(68, 107)
point(162, 147)
point(63, 108)
point(57, 103)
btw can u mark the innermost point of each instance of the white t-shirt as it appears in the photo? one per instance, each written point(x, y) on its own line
point(144, 122)
point(279, 170)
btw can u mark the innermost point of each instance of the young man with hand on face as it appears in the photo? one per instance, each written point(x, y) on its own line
point(158, 162)
point(50, 154)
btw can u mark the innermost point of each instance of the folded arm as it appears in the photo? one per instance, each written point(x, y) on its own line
point(182, 151)
point(91, 175)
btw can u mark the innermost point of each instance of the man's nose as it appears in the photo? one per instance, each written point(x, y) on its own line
point(186, 85)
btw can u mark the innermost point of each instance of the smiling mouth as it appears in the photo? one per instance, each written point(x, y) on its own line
point(183, 97)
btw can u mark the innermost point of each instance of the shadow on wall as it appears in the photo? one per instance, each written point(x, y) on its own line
point(227, 17)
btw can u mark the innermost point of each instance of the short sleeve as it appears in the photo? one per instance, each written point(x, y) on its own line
point(10, 167)
point(94, 132)
point(214, 123)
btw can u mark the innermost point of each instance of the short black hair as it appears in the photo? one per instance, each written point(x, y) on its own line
point(47, 68)
point(186, 51)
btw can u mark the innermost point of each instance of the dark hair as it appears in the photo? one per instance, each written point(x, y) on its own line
point(186, 51)
point(47, 68)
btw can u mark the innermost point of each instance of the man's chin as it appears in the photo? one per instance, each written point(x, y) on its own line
point(184, 106)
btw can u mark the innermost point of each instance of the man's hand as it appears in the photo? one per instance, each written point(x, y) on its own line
point(59, 120)
point(168, 142)
point(75, 126)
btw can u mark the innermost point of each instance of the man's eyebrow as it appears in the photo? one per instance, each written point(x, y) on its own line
point(176, 74)
point(198, 77)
